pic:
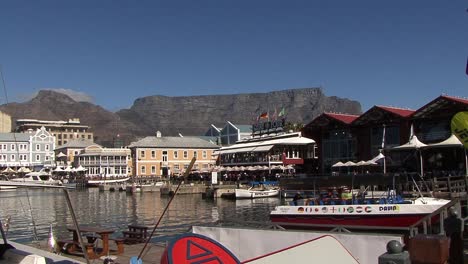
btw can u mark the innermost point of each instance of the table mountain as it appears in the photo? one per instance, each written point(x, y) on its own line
point(187, 115)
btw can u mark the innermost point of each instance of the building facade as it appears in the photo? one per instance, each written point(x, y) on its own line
point(34, 149)
point(5, 123)
point(66, 153)
point(64, 131)
point(169, 156)
point(102, 162)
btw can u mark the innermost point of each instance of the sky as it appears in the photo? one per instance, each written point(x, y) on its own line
point(395, 53)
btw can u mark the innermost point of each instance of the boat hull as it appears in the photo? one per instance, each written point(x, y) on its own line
point(96, 183)
point(368, 215)
point(251, 194)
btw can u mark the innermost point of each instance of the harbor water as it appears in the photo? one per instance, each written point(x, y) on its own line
point(28, 213)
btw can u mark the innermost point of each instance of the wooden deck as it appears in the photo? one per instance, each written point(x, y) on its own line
point(152, 254)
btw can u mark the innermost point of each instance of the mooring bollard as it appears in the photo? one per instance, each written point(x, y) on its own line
point(395, 254)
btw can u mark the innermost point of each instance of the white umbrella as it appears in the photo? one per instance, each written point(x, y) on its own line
point(68, 169)
point(349, 164)
point(60, 155)
point(453, 142)
point(338, 164)
point(58, 169)
point(24, 170)
point(8, 170)
point(413, 144)
point(80, 168)
point(361, 163)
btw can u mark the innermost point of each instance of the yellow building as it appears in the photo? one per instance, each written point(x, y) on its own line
point(5, 123)
point(64, 131)
point(170, 156)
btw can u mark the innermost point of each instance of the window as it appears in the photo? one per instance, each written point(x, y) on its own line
point(38, 147)
point(89, 136)
point(22, 157)
point(176, 154)
point(153, 154)
point(4, 146)
point(142, 154)
point(13, 146)
point(47, 147)
point(153, 169)
point(38, 157)
point(204, 154)
point(195, 153)
point(164, 155)
point(3, 157)
point(12, 157)
point(64, 136)
point(47, 157)
point(185, 154)
point(59, 136)
point(143, 170)
point(176, 167)
point(185, 166)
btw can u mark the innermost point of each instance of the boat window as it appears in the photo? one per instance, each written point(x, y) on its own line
point(44, 177)
point(35, 178)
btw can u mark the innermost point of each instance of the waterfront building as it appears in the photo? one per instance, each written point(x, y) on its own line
point(66, 153)
point(105, 162)
point(270, 152)
point(166, 156)
point(64, 131)
point(376, 134)
point(232, 133)
point(5, 123)
point(33, 149)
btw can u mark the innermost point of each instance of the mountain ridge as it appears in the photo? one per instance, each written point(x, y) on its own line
point(187, 115)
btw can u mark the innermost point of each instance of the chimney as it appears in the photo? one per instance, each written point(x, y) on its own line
point(158, 134)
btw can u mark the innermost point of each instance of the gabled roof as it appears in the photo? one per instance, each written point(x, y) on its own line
point(14, 137)
point(344, 118)
point(173, 142)
point(325, 118)
point(444, 104)
point(378, 113)
point(398, 111)
point(77, 143)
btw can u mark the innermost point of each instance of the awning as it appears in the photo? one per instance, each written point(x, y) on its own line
point(236, 150)
point(262, 148)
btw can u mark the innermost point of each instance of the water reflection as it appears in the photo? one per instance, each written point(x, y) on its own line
point(33, 210)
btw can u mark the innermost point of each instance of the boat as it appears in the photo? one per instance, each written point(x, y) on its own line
point(144, 187)
point(391, 212)
point(37, 177)
point(4, 179)
point(96, 183)
point(252, 192)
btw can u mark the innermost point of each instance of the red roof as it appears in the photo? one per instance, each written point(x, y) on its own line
point(456, 99)
point(398, 111)
point(345, 118)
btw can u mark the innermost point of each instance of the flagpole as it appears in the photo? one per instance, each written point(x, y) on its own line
point(383, 146)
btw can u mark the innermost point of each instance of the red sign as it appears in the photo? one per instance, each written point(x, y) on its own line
point(197, 249)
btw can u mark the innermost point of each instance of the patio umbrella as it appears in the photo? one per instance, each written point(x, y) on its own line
point(80, 168)
point(24, 170)
point(8, 170)
point(60, 155)
point(338, 164)
point(413, 144)
point(451, 142)
point(58, 169)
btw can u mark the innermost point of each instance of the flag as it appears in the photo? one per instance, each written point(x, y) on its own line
point(383, 138)
point(275, 115)
point(466, 67)
point(282, 113)
point(263, 115)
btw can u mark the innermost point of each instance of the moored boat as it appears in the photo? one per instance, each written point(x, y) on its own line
point(96, 183)
point(37, 177)
point(385, 213)
point(256, 193)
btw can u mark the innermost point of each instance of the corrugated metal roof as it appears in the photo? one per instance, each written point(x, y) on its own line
point(399, 111)
point(77, 143)
point(12, 137)
point(345, 118)
point(173, 142)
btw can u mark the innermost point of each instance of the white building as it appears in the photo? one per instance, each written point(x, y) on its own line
point(33, 149)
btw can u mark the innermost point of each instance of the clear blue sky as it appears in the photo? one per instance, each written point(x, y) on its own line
point(398, 53)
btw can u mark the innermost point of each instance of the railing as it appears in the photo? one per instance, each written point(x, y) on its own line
point(426, 222)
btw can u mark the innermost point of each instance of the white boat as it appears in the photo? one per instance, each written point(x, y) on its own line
point(145, 187)
point(256, 193)
point(382, 213)
point(37, 177)
point(96, 183)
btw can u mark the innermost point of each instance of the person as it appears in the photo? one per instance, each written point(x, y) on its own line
point(297, 197)
point(453, 230)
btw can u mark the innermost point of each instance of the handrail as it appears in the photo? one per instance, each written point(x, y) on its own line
point(428, 217)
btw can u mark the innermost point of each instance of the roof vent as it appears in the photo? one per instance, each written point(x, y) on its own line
point(158, 134)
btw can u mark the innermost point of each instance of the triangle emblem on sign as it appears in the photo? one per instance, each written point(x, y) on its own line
point(195, 250)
